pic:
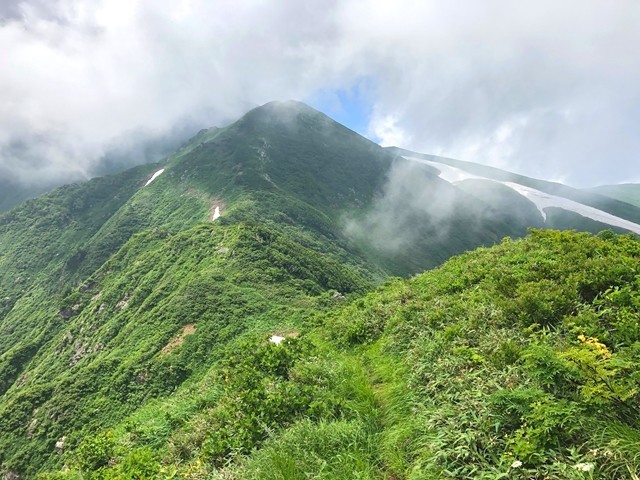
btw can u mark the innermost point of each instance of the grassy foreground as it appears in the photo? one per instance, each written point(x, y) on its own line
point(517, 361)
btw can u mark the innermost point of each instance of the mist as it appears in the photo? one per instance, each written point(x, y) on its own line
point(414, 205)
point(546, 89)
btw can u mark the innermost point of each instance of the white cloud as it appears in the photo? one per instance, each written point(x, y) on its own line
point(545, 88)
point(385, 129)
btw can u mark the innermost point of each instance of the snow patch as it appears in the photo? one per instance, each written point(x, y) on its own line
point(544, 200)
point(447, 172)
point(540, 199)
point(277, 339)
point(216, 214)
point(154, 176)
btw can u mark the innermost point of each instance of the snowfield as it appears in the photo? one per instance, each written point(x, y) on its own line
point(543, 200)
point(448, 173)
point(154, 176)
point(540, 199)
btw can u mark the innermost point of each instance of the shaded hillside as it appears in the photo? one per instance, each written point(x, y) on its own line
point(627, 192)
point(611, 205)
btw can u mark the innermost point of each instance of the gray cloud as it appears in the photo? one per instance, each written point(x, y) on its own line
point(549, 89)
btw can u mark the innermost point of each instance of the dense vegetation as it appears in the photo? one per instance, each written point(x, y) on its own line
point(135, 328)
point(116, 333)
point(518, 361)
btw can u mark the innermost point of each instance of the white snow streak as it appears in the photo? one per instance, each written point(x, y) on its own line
point(540, 199)
point(448, 173)
point(154, 176)
point(544, 200)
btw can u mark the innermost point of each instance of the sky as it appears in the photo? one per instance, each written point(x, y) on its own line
point(544, 88)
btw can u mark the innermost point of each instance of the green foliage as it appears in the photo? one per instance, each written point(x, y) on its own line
point(137, 330)
point(139, 464)
point(95, 452)
point(515, 355)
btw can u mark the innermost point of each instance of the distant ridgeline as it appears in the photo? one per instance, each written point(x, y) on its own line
point(208, 317)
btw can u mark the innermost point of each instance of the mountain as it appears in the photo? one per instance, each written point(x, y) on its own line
point(141, 149)
point(559, 206)
point(142, 314)
point(518, 360)
point(626, 192)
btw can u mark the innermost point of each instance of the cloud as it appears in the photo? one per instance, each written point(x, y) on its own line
point(76, 83)
point(547, 89)
point(385, 129)
point(407, 210)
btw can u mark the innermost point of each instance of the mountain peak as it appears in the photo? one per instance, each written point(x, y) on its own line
point(285, 112)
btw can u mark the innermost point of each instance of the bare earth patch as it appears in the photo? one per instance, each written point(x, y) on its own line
point(178, 340)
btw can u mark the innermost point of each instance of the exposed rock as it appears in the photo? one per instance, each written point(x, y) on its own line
point(222, 251)
point(337, 296)
point(67, 312)
point(124, 302)
point(88, 286)
point(22, 379)
point(80, 349)
point(32, 427)
point(60, 445)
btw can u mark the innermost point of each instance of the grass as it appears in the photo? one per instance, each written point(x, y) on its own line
point(522, 354)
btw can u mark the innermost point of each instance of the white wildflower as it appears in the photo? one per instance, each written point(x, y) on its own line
point(516, 464)
point(584, 467)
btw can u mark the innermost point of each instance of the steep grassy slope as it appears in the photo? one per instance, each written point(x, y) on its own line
point(627, 192)
point(37, 259)
point(518, 361)
point(121, 300)
point(159, 312)
point(522, 360)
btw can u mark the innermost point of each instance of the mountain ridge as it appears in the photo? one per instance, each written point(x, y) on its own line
point(119, 293)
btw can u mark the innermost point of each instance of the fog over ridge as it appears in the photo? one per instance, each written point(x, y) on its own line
point(545, 89)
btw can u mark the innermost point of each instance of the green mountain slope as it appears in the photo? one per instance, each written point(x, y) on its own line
point(117, 335)
point(627, 192)
point(37, 257)
point(136, 310)
point(518, 361)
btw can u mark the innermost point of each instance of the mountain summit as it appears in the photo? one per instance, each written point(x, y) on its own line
point(158, 289)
